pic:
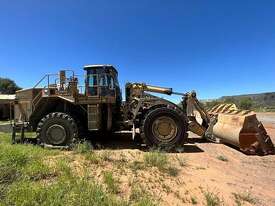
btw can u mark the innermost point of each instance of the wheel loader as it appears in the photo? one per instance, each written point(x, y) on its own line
point(60, 111)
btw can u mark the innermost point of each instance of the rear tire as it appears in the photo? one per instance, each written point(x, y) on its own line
point(164, 127)
point(57, 129)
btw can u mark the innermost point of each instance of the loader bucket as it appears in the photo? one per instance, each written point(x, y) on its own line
point(242, 129)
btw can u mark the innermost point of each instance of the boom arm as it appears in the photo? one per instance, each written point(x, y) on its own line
point(223, 124)
point(190, 98)
point(156, 89)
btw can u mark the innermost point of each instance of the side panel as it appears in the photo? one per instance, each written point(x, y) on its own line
point(23, 104)
point(22, 111)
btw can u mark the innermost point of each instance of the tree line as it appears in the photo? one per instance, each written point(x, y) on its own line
point(8, 86)
point(245, 103)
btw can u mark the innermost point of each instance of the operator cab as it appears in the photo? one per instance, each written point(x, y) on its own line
point(101, 81)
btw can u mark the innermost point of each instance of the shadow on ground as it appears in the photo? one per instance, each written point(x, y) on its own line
point(124, 141)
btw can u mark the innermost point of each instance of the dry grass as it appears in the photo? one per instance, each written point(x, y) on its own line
point(212, 199)
point(111, 183)
point(37, 176)
point(240, 198)
point(222, 158)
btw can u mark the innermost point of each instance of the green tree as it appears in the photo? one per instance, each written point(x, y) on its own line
point(8, 86)
point(246, 103)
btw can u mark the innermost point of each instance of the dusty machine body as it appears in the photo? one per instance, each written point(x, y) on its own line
point(62, 111)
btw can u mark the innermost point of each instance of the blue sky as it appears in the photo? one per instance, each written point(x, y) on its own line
point(214, 47)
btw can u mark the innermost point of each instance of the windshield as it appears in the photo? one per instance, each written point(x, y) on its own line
point(102, 80)
point(92, 80)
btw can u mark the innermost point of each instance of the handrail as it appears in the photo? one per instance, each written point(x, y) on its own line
point(70, 70)
point(36, 97)
point(48, 77)
point(81, 87)
point(40, 81)
point(44, 77)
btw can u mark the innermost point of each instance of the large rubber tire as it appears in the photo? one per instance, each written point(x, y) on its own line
point(176, 137)
point(57, 129)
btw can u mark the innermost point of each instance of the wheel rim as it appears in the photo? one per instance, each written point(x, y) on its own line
point(56, 134)
point(164, 129)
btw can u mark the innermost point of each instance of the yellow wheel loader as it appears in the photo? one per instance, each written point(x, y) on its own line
point(61, 111)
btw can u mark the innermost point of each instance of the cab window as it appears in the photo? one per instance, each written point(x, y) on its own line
point(103, 80)
point(111, 82)
point(92, 80)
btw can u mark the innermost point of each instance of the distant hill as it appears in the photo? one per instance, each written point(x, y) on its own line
point(261, 100)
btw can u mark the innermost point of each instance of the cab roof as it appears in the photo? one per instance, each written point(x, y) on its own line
point(91, 66)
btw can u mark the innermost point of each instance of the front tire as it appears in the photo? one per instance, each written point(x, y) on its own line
point(164, 127)
point(57, 129)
